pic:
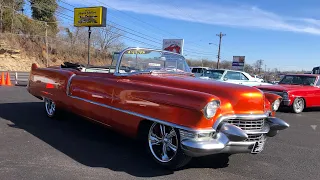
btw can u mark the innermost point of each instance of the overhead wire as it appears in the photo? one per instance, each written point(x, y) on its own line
point(68, 17)
point(186, 49)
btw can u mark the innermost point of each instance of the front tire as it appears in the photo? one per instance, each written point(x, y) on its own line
point(298, 105)
point(163, 145)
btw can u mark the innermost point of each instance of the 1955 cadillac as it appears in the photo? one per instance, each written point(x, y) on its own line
point(151, 95)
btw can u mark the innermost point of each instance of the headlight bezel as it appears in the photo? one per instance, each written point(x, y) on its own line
point(210, 105)
point(276, 104)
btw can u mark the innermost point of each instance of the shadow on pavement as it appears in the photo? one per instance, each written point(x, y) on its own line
point(91, 144)
point(289, 110)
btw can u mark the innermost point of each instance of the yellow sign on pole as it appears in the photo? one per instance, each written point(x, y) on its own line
point(90, 16)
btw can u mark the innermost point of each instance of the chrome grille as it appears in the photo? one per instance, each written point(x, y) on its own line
point(254, 137)
point(247, 125)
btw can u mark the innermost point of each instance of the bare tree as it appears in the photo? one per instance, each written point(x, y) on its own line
point(258, 65)
point(108, 39)
point(248, 68)
point(225, 64)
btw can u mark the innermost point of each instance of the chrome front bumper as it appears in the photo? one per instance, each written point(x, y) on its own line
point(232, 139)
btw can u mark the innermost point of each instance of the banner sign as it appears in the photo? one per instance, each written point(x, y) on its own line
point(238, 63)
point(173, 45)
point(90, 16)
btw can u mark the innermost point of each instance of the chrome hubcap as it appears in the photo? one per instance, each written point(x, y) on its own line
point(163, 142)
point(298, 105)
point(50, 106)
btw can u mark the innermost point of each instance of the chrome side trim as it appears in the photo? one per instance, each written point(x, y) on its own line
point(146, 117)
point(240, 116)
point(136, 114)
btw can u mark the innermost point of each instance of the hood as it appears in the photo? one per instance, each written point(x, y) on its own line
point(283, 87)
point(234, 98)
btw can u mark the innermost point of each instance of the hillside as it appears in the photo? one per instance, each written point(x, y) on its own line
point(17, 54)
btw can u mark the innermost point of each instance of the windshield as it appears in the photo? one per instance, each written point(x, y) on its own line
point(298, 80)
point(213, 74)
point(144, 60)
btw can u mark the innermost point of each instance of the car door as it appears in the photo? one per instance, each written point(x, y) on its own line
point(93, 95)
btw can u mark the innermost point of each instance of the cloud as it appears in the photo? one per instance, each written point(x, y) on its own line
point(215, 14)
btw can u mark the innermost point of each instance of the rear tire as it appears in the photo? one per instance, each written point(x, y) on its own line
point(163, 145)
point(298, 105)
point(51, 109)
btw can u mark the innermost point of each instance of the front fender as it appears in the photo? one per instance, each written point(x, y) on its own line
point(179, 106)
point(272, 97)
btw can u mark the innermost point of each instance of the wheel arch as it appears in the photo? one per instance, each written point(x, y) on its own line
point(142, 128)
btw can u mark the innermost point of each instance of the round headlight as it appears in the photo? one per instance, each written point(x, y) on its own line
point(211, 109)
point(275, 105)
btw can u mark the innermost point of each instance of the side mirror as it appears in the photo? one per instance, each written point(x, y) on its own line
point(225, 78)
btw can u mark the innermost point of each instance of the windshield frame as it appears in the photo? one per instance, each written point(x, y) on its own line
point(117, 68)
point(293, 75)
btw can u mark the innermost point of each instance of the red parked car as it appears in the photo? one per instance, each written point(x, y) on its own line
point(299, 91)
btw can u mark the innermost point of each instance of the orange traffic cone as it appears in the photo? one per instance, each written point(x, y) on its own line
point(8, 81)
point(2, 79)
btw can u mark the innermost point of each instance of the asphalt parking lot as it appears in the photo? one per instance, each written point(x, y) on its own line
point(33, 146)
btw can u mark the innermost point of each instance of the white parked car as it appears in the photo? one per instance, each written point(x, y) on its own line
point(257, 78)
point(199, 71)
point(232, 76)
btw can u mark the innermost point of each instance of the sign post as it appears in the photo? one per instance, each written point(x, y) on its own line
point(90, 17)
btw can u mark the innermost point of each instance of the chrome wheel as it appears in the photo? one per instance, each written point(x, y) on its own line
point(298, 105)
point(163, 142)
point(50, 107)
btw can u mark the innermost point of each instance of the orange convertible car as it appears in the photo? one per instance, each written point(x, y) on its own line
point(152, 95)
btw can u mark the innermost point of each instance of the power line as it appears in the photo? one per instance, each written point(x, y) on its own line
point(145, 23)
point(152, 38)
point(65, 16)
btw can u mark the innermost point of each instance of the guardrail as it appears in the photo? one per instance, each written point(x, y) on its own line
point(18, 78)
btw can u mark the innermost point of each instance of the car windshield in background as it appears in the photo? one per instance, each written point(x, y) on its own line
point(213, 74)
point(298, 80)
point(153, 61)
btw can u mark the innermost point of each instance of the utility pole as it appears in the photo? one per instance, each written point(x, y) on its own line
point(220, 37)
point(47, 51)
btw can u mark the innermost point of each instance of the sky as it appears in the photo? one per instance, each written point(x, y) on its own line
point(284, 34)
